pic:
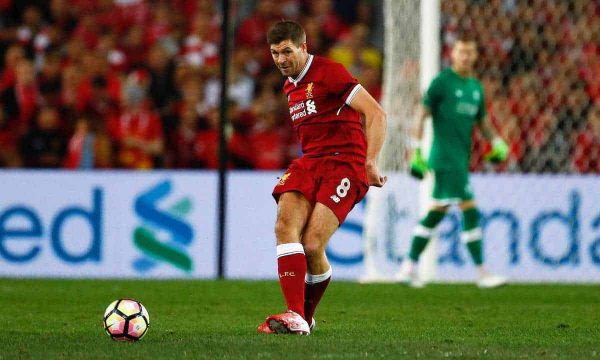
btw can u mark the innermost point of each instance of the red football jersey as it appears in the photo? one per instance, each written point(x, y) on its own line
point(319, 99)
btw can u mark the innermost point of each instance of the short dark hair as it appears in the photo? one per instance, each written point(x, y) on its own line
point(465, 37)
point(286, 30)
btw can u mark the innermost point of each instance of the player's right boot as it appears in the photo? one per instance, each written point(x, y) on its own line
point(409, 275)
point(264, 328)
point(288, 323)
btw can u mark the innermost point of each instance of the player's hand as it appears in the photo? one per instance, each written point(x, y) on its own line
point(499, 151)
point(418, 165)
point(373, 176)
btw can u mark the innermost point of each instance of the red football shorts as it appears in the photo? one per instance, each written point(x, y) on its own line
point(336, 181)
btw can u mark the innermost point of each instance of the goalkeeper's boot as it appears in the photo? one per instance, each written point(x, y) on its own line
point(409, 275)
point(288, 323)
point(265, 329)
point(490, 281)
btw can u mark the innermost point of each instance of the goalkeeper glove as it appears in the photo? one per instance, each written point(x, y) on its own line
point(499, 151)
point(418, 166)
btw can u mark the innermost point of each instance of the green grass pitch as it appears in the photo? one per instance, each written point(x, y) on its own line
point(50, 319)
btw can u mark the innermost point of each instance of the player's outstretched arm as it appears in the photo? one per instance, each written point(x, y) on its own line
point(375, 125)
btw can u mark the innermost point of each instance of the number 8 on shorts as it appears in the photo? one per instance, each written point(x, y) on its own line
point(343, 187)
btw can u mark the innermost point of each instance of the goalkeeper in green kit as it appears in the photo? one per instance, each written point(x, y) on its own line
point(455, 101)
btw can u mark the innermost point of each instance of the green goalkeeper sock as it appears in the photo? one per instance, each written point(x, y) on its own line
point(476, 252)
point(417, 246)
point(422, 233)
point(472, 235)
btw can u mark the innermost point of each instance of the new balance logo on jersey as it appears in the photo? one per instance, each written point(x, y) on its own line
point(309, 90)
point(311, 107)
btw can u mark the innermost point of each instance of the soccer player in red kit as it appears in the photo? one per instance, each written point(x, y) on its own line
point(338, 165)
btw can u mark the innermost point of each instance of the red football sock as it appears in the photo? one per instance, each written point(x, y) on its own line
point(291, 263)
point(314, 290)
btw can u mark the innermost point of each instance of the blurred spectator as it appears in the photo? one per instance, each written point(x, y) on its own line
point(131, 12)
point(269, 144)
point(332, 26)
point(200, 47)
point(21, 100)
point(137, 130)
point(87, 148)
point(162, 85)
point(87, 31)
point(241, 88)
point(50, 79)
point(9, 154)
point(314, 36)
point(134, 46)
point(360, 58)
point(31, 25)
point(354, 52)
point(13, 55)
point(253, 29)
point(160, 29)
point(44, 145)
point(206, 147)
point(183, 140)
point(102, 104)
point(72, 99)
point(62, 15)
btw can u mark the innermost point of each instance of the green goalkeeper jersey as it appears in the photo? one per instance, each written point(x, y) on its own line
point(456, 104)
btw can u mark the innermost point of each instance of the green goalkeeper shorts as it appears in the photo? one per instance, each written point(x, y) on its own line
point(451, 186)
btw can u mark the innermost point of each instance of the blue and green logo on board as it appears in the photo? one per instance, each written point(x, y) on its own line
point(164, 236)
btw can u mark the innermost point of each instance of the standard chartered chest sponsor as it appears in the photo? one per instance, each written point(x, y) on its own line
point(296, 107)
point(297, 111)
point(301, 109)
point(466, 108)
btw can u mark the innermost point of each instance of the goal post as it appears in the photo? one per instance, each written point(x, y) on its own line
point(412, 59)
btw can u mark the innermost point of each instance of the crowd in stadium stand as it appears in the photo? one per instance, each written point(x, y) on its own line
point(135, 83)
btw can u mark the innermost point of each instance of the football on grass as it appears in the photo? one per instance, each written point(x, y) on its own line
point(126, 320)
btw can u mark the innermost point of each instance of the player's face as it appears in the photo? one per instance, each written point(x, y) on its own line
point(464, 55)
point(288, 57)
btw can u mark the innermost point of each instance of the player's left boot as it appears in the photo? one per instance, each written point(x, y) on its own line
point(489, 281)
point(288, 323)
point(312, 324)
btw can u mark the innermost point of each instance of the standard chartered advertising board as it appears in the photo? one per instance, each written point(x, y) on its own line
point(163, 225)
